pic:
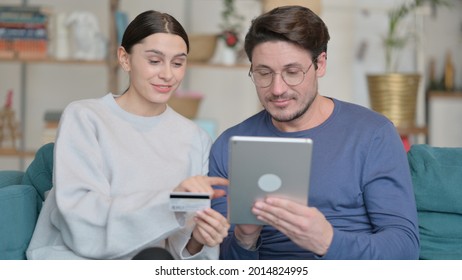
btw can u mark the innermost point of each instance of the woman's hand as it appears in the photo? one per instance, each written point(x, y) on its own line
point(210, 230)
point(211, 227)
point(202, 184)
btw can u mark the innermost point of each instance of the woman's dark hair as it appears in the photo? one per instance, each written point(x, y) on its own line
point(148, 23)
point(294, 24)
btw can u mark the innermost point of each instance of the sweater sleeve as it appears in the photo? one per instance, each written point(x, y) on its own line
point(390, 203)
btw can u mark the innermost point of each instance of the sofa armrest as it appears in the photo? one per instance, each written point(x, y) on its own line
point(40, 172)
point(437, 181)
point(19, 209)
point(10, 177)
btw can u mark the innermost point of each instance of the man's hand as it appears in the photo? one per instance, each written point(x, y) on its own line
point(305, 226)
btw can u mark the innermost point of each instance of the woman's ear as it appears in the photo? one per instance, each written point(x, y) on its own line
point(123, 57)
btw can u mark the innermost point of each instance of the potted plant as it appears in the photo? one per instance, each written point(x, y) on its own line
point(228, 39)
point(394, 94)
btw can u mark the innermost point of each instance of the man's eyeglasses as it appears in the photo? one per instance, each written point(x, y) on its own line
point(292, 76)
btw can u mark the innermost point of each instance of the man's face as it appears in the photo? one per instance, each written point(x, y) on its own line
point(286, 103)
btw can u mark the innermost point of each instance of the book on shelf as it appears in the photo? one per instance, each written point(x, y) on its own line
point(23, 49)
point(23, 32)
point(51, 119)
point(5, 24)
point(8, 33)
point(23, 14)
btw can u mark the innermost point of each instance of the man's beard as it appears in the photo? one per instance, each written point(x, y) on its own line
point(295, 115)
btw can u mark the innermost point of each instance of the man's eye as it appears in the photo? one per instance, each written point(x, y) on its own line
point(293, 71)
point(154, 61)
point(263, 73)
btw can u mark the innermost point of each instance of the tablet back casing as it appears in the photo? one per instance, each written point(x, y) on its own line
point(266, 166)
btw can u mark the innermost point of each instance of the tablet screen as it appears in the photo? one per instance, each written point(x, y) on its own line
point(266, 166)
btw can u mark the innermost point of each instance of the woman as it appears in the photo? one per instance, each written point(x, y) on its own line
point(117, 158)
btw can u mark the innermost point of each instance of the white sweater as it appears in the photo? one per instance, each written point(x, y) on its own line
point(113, 172)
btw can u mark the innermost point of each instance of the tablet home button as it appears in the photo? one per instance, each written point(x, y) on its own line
point(269, 182)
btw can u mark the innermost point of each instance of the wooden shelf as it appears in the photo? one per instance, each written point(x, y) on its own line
point(445, 94)
point(406, 131)
point(16, 153)
point(104, 62)
point(222, 66)
point(53, 60)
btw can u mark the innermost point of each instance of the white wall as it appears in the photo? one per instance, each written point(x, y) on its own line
point(448, 112)
point(230, 96)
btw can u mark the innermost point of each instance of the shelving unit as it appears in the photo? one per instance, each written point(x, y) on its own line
point(110, 63)
point(16, 153)
point(53, 60)
point(217, 66)
point(412, 131)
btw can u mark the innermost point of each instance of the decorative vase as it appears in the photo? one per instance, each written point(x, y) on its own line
point(229, 56)
point(395, 96)
point(224, 54)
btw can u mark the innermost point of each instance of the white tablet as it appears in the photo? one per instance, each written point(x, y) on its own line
point(266, 166)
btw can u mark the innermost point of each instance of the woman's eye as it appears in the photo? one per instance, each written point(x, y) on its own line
point(177, 64)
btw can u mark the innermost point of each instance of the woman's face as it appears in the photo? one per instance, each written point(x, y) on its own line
point(156, 67)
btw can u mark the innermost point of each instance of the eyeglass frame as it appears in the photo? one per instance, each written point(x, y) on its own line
point(250, 74)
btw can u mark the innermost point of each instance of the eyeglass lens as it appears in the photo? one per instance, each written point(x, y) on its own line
point(292, 76)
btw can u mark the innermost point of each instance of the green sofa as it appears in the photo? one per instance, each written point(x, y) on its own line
point(21, 197)
point(436, 175)
point(437, 180)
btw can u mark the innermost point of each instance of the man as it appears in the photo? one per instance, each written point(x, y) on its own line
point(361, 204)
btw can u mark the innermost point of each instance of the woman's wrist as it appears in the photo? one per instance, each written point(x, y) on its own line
point(194, 246)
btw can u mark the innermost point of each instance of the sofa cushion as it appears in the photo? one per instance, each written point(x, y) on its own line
point(440, 235)
point(10, 177)
point(437, 180)
point(39, 173)
point(19, 207)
